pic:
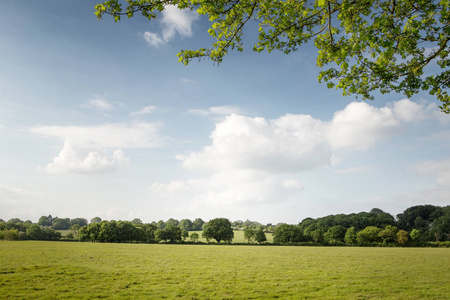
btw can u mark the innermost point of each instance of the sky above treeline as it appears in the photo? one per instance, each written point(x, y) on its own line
point(99, 119)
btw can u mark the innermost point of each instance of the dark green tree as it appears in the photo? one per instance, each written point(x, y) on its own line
point(198, 224)
point(186, 224)
point(287, 233)
point(80, 221)
point(219, 229)
point(260, 236)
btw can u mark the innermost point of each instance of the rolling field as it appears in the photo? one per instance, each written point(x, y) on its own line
point(67, 270)
point(238, 237)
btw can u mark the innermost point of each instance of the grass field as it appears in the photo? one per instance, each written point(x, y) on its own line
point(67, 270)
point(238, 237)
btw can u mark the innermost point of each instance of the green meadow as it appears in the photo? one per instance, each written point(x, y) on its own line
point(73, 270)
point(238, 237)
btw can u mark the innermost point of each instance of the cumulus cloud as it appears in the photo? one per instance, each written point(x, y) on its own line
point(225, 110)
point(75, 158)
point(258, 160)
point(360, 126)
point(98, 149)
point(144, 111)
point(174, 21)
point(288, 144)
point(295, 143)
point(99, 104)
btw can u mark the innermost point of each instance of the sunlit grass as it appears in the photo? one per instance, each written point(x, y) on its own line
point(238, 237)
point(56, 270)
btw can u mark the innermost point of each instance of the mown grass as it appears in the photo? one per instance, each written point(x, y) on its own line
point(68, 270)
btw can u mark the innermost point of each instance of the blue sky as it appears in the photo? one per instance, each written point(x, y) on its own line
point(99, 119)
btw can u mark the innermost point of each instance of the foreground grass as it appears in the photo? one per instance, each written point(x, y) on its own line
point(58, 270)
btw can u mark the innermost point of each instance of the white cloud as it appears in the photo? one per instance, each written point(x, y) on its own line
point(292, 143)
point(99, 104)
point(350, 170)
point(144, 111)
point(223, 190)
point(98, 149)
point(75, 158)
point(360, 126)
point(18, 202)
point(153, 39)
point(173, 21)
point(437, 195)
point(225, 110)
point(118, 135)
point(439, 169)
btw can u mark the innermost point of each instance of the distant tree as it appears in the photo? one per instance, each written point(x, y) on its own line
point(350, 236)
point(317, 236)
point(194, 237)
point(186, 224)
point(96, 220)
point(160, 235)
point(184, 234)
point(402, 237)
point(136, 221)
point(249, 234)
point(441, 228)
point(335, 235)
point(173, 222)
point(61, 223)
point(35, 232)
point(80, 221)
point(171, 233)
point(161, 224)
point(11, 235)
point(408, 217)
point(260, 236)
point(74, 229)
point(415, 235)
point(388, 234)
point(148, 231)
point(286, 233)
point(45, 221)
point(219, 229)
point(368, 235)
point(421, 224)
point(16, 223)
point(198, 224)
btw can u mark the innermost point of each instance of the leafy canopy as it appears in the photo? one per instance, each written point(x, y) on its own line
point(367, 45)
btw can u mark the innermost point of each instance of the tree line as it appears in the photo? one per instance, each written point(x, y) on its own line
point(416, 226)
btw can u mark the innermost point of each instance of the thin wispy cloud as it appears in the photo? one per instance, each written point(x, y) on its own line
point(99, 104)
point(144, 111)
point(225, 110)
point(174, 21)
